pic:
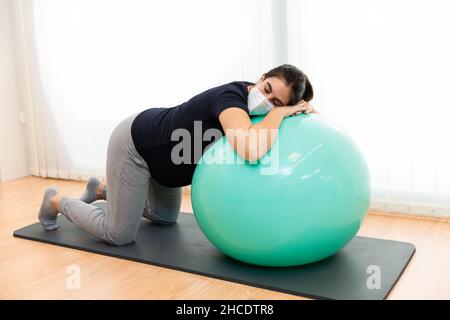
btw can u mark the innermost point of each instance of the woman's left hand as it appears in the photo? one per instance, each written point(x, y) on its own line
point(305, 108)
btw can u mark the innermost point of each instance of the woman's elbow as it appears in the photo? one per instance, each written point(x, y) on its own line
point(252, 157)
point(250, 154)
point(246, 147)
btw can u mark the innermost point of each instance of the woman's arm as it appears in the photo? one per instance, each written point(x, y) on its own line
point(307, 108)
point(252, 141)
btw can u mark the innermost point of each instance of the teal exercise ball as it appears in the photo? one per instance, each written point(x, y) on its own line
point(300, 203)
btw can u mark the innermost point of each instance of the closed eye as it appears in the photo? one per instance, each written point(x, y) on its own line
point(275, 101)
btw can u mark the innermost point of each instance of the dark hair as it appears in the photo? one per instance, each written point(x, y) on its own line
point(296, 79)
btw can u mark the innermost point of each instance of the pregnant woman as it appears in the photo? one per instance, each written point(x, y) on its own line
point(144, 178)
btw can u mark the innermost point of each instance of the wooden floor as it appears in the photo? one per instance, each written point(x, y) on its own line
point(33, 270)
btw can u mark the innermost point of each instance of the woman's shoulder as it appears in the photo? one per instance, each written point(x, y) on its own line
point(238, 86)
point(233, 90)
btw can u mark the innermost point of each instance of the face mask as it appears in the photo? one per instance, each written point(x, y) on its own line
point(258, 104)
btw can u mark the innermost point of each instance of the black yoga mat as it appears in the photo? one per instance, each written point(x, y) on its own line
point(183, 246)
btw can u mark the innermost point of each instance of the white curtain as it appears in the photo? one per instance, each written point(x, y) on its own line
point(87, 64)
point(379, 68)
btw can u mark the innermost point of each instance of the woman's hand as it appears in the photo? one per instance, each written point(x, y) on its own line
point(287, 111)
point(305, 107)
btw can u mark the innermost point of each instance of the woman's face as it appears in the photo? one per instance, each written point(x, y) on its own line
point(275, 90)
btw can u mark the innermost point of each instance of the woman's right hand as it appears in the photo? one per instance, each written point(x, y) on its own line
point(287, 111)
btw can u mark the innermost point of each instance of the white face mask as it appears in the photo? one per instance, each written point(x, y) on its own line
point(258, 104)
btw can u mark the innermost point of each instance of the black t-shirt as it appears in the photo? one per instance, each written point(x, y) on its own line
point(152, 130)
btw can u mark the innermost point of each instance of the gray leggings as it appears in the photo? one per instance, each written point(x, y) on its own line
point(131, 194)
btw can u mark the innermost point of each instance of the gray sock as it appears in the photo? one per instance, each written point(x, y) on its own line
point(89, 195)
point(47, 215)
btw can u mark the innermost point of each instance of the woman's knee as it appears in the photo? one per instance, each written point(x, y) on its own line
point(120, 239)
point(168, 218)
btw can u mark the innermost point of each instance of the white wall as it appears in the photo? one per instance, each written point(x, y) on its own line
point(12, 146)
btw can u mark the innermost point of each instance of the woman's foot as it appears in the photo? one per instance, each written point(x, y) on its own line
point(95, 190)
point(48, 213)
